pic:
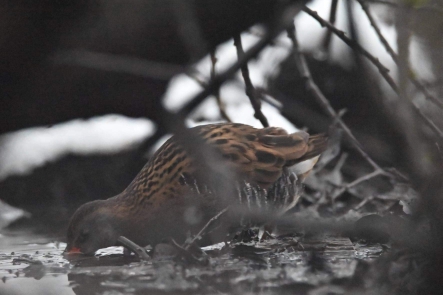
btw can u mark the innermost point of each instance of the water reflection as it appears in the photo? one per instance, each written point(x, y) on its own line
point(25, 277)
point(276, 266)
point(48, 285)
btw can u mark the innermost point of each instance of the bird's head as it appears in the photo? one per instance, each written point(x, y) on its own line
point(92, 227)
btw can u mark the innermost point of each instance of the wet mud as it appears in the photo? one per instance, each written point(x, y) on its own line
point(33, 264)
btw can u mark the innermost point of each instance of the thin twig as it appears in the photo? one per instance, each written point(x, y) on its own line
point(424, 90)
point(280, 23)
point(269, 98)
point(185, 253)
point(200, 233)
point(220, 104)
point(250, 90)
point(341, 162)
point(140, 251)
point(354, 45)
point(323, 101)
point(203, 84)
point(363, 202)
point(364, 178)
point(402, 23)
point(193, 75)
point(382, 69)
point(332, 18)
point(359, 180)
point(383, 40)
point(394, 56)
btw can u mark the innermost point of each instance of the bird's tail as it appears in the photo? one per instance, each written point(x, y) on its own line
point(317, 144)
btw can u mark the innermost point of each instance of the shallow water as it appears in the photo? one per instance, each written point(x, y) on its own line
point(273, 266)
point(22, 278)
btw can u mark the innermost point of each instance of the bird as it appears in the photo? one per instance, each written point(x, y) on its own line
point(178, 191)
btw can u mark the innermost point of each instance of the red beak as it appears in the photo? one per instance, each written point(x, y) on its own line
point(73, 250)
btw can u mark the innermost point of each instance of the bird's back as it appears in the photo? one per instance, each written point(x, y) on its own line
point(257, 157)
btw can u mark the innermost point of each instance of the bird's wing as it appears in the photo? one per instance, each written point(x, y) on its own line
point(260, 154)
point(255, 155)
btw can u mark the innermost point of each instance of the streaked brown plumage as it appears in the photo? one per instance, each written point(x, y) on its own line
point(174, 194)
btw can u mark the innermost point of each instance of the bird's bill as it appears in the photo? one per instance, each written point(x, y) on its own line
point(72, 250)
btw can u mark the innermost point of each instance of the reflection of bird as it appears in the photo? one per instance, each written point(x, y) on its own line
point(175, 194)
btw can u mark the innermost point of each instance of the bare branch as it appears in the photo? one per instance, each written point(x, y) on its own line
point(355, 46)
point(250, 90)
point(140, 251)
point(383, 40)
point(201, 232)
point(220, 104)
point(382, 69)
point(281, 22)
point(323, 101)
point(364, 178)
point(359, 180)
point(394, 56)
point(332, 17)
point(193, 75)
